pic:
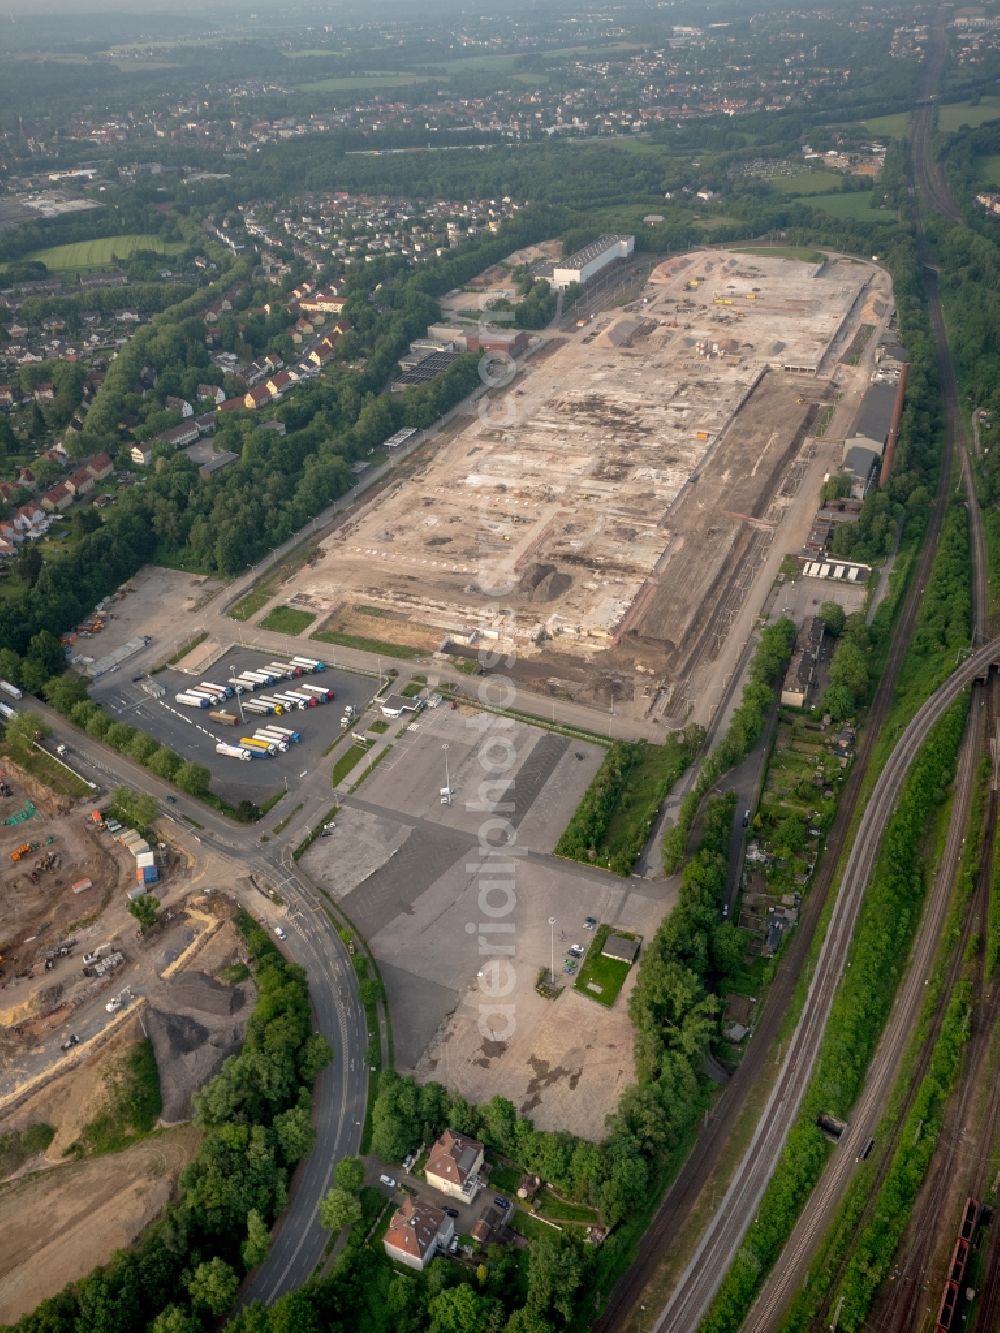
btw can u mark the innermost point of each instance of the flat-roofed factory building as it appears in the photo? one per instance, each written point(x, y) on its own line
point(588, 262)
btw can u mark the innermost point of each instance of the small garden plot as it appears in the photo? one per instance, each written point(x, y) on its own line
point(601, 978)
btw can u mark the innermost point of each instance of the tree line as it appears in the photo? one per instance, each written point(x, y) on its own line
point(767, 667)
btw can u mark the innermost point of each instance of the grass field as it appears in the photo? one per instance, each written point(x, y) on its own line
point(364, 645)
point(287, 620)
point(83, 255)
point(349, 83)
point(953, 117)
point(806, 182)
point(348, 760)
point(856, 206)
point(989, 170)
point(889, 127)
point(607, 973)
point(489, 66)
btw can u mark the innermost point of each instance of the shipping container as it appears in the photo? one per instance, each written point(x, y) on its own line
point(257, 709)
point(227, 719)
point(309, 663)
point(321, 692)
point(193, 700)
point(7, 712)
point(290, 701)
point(287, 732)
point(10, 689)
point(309, 700)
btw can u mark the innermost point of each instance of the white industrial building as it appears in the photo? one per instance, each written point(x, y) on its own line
point(589, 261)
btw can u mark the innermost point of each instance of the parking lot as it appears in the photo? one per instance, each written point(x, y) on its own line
point(191, 733)
point(404, 867)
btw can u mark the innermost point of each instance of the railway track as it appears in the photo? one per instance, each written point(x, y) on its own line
point(906, 1300)
point(792, 1268)
point(791, 1271)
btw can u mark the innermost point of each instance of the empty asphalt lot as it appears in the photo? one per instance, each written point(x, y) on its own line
point(406, 870)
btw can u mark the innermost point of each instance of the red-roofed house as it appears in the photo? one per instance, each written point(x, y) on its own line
point(454, 1165)
point(231, 405)
point(80, 481)
point(57, 497)
point(100, 466)
point(416, 1232)
point(256, 397)
point(280, 383)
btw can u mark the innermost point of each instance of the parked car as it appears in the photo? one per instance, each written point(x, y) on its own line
point(280, 933)
point(746, 818)
point(71, 1040)
point(501, 1202)
point(387, 1180)
point(576, 950)
point(590, 923)
point(452, 1212)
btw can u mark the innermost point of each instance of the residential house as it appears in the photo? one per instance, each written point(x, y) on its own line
point(179, 436)
point(231, 405)
point(100, 467)
point(256, 397)
point(57, 498)
point(44, 393)
point(416, 1232)
point(6, 395)
point(179, 405)
point(80, 481)
point(454, 1165)
point(211, 393)
point(325, 302)
point(280, 383)
point(142, 454)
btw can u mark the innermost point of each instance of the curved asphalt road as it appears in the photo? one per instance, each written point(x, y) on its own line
point(342, 1088)
point(708, 1266)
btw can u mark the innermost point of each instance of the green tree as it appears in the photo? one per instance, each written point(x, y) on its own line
point(65, 692)
point(174, 1320)
point(349, 1174)
point(146, 911)
point(136, 808)
point(28, 564)
point(338, 1209)
point(164, 763)
point(193, 778)
point(258, 1242)
point(459, 1310)
point(834, 618)
point(46, 653)
point(294, 1132)
point(10, 666)
point(25, 729)
point(213, 1286)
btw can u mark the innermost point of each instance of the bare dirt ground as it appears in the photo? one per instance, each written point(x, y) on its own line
point(35, 916)
point(154, 602)
point(57, 1225)
point(615, 528)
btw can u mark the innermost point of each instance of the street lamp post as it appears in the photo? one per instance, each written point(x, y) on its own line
point(447, 775)
point(552, 947)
